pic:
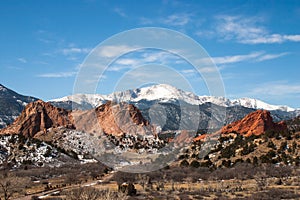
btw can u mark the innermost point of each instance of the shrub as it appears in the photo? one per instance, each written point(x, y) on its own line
point(184, 163)
point(195, 164)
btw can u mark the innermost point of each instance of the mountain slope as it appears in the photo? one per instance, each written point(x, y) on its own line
point(11, 105)
point(254, 139)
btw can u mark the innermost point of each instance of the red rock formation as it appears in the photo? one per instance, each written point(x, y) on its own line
point(39, 116)
point(117, 119)
point(255, 123)
point(200, 138)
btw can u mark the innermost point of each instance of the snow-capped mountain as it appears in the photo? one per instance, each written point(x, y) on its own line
point(257, 104)
point(166, 94)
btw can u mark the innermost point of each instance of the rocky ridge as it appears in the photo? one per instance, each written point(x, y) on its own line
point(39, 116)
point(118, 119)
point(255, 123)
point(113, 119)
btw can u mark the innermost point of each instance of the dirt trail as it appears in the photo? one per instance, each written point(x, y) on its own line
point(42, 195)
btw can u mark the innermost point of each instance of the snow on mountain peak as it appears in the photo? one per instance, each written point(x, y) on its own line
point(2, 88)
point(258, 104)
point(168, 93)
point(93, 99)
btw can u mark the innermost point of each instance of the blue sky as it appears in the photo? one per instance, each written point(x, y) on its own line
point(255, 44)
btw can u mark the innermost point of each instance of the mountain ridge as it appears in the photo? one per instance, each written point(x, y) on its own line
point(11, 105)
point(167, 93)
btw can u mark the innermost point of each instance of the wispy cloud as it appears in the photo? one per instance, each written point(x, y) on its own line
point(189, 71)
point(128, 61)
point(248, 30)
point(146, 21)
point(275, 89)
point(47, 37)
point(114, 50)
point(58, 75)
point(120, 12)
point(75, 50)
point(177, 19)
point(271, 56)
point(22, 60)
point(156, 74)
point(236, 58)
point(251, 57)
point(144, 57)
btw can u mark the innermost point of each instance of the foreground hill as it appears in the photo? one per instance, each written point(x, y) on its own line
point(254, 139)
point(77, 134)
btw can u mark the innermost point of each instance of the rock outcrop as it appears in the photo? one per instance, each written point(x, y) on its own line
point(39, 116)
point(117, 119)
point(110, 118)
point(255, 123)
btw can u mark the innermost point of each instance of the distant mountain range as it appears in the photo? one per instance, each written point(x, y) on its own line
point(172, 106)
point(164, 93)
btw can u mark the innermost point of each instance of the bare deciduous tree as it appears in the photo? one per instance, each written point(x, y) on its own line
point(11, 184)
point(261, 182)
point(143, 180)
point(90, 193)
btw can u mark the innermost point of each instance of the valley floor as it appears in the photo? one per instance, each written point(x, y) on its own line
point(68, 183)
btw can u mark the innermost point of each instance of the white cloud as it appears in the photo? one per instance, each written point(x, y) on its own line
point(22, 60)
point(120, 12)
point(249, 31)
point(294, 38)
point(236, 58)
point(177, 19)
point(202, 70)
point(143, 57)
point(57, 75)
point(146, 21)
point(206, 33)
point(74, 50)
point(271, 56)
point(276, 89)
point(251, 57)
point(114, 50)
point(127, 61)
point(189, 71)
point(151, 74)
